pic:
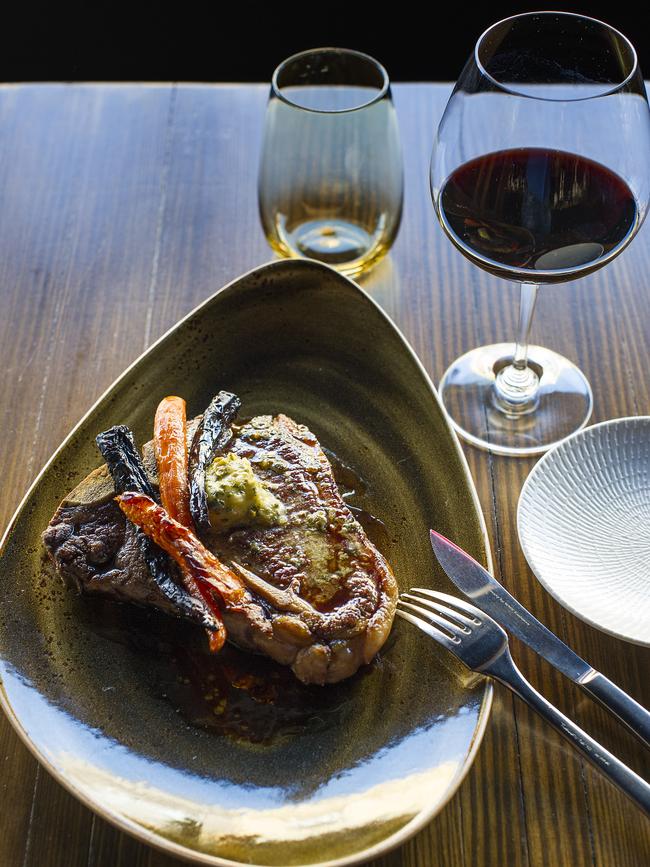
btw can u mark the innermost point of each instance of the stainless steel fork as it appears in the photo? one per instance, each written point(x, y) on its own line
point(480, 643)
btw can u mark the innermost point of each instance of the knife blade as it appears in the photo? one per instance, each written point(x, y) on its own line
point(493, 598)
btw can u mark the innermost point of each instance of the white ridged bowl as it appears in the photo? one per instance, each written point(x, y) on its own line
point(584, 525)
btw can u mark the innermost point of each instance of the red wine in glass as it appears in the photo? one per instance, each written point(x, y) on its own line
point(539, 174)
point(537, 210)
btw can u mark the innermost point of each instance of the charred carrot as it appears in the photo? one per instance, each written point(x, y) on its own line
point(183, 546)
point(217, 635)
point(170, 446)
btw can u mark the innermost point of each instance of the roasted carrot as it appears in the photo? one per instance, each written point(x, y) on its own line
point(183, 546)
point(170, 447)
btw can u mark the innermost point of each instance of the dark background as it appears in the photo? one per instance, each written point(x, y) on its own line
point(245, 41)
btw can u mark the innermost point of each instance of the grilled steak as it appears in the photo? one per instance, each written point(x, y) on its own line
point(320, 597)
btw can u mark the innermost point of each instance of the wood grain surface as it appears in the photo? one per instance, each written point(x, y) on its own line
point(122, 207)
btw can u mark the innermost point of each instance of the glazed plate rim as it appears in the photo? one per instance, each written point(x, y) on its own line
point(525, 546)
point(138, 831)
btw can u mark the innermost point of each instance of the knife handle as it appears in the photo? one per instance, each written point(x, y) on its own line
point(503, 669)
point(623, 706)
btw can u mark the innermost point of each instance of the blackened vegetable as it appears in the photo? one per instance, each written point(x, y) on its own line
point(128, 473)
point(211, 435)
point(123, 460)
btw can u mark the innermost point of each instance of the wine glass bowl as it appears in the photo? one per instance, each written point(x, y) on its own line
point(330, 181)
point(539, 174)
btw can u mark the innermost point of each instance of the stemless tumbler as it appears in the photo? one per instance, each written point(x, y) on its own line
point(330, 181)
point(540, 174)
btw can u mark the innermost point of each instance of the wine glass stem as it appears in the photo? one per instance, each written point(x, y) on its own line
point(517, 385)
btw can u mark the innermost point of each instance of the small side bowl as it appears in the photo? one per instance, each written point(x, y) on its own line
point(584, 526)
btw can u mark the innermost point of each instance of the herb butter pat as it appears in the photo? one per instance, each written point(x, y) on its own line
point(237, 497)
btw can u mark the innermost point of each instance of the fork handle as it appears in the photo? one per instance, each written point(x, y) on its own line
point(623, 706)
point(503, 669)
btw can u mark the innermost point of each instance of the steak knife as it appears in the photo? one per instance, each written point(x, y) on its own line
point(492, 598)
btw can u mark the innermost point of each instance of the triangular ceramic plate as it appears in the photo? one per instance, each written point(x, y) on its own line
point(199, 758)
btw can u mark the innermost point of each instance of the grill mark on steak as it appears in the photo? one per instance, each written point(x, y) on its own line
point(325, 599)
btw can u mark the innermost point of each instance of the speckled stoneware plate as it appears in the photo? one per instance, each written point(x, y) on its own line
point(232, 761)
point(584, 526)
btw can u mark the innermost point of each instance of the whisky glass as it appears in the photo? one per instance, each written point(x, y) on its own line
point(331, 180)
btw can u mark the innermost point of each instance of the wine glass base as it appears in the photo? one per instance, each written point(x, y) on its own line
point(467, 392)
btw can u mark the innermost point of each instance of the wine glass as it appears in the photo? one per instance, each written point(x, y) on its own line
point(330, 181)
point(540, 173)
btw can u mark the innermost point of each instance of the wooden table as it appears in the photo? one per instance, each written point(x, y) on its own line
point(122, 207)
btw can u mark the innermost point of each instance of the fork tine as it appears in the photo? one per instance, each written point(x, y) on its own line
point(470, 610)
point(434, 621)
point(461, 620)
point(430, 630)
point(427, 628)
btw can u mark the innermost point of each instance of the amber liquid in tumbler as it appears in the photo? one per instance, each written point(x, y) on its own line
point(537, 210)
point(331, 182)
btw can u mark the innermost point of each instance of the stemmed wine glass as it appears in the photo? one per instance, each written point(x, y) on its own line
point(540, 173)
